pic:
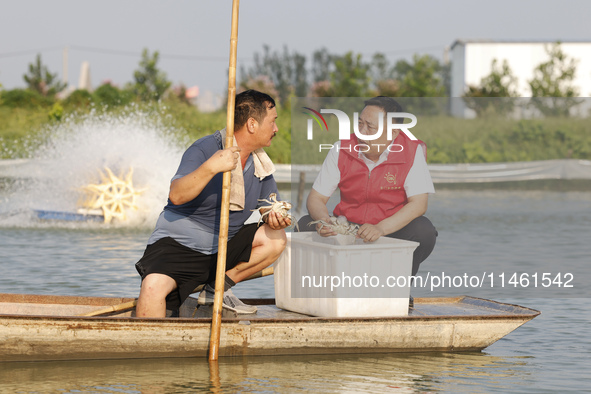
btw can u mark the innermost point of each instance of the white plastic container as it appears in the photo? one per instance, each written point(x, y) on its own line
point(307, 272)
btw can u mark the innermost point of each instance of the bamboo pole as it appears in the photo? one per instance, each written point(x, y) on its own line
point(216, 321)
point(112, 308)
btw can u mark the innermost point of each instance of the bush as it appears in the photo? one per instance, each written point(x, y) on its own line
point(56, 113)
point(80, 98)
point(24, 98)
point(109, 95)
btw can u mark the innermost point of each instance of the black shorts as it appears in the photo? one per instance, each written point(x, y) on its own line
point(190, 268)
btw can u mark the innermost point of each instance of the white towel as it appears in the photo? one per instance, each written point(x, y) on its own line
point(263, 167)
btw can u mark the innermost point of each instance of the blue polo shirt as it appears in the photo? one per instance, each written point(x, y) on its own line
point(195, 224)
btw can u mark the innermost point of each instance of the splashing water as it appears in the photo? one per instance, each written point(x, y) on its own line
point(77, 149)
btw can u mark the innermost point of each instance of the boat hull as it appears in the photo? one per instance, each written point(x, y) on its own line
point(42, 337)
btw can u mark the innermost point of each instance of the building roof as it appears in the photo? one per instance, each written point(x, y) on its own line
point(462, 41)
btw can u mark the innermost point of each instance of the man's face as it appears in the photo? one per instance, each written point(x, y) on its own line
point(266, 130)
point(369, 124)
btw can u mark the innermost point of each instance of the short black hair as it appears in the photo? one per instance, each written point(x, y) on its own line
point(251, 104)
point(388, 104)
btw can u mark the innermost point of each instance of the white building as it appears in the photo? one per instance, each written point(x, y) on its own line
point(472, 59)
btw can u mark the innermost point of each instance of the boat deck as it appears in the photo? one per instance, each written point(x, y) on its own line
point(423, 308)
point(69, 306)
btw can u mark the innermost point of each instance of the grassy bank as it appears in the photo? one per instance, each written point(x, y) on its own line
point(453, 140)
point(19, 129)
point(449, 140)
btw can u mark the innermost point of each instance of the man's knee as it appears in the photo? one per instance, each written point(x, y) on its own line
point(420, 230)
point(423, 224)
point(279, 240)
point(157, 285)
point(426, 230)
point(273, 240)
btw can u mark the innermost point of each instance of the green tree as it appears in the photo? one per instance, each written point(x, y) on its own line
point(380, 69)
point(286, 71)
point(499, 83)
point(111, 96)
point(300, 76)
point(78, 99)
point(421, 78)
point(382, 75)
point(553, 93)
point(262, 83)
point(418, 80)
point(41, 80)
point(322, 65)
point(150, 82)
point(350, 77)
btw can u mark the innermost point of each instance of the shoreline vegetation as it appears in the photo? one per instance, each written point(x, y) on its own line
point(23, 128)
point(549, 129)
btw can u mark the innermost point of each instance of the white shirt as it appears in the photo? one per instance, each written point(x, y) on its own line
point(418, 180)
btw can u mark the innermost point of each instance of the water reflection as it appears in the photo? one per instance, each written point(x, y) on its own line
point(329, 374)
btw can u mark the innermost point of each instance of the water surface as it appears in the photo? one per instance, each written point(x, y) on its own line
point(478, 230)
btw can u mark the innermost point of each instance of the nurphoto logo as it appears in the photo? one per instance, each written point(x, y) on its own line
point(345, 127)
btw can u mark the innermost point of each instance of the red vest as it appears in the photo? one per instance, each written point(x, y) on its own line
point(372, 197)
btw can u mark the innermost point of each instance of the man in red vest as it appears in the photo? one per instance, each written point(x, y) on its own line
point(384, 184)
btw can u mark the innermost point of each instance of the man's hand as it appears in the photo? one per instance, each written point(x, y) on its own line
point(277, 222)
point(324, 230)
point(224, 160)
point(370, 232)
point(316, 204)
point(187, 188)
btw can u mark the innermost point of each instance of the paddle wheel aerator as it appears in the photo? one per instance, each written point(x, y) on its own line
point(112, 198)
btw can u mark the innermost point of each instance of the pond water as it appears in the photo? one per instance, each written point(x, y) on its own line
point(480, 231)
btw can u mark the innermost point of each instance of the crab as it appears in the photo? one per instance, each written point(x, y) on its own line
point(281, 207)
point(339, 225)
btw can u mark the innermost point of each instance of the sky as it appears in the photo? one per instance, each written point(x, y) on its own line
point(193, 37)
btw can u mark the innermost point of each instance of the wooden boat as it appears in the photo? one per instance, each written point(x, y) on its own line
point(40, 327)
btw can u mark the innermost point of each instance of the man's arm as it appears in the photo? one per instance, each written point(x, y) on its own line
point(316, 204)
point(416, 206)
point(187, 188)
point(325, 184)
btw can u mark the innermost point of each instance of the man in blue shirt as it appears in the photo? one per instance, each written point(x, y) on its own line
point(182, 251)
